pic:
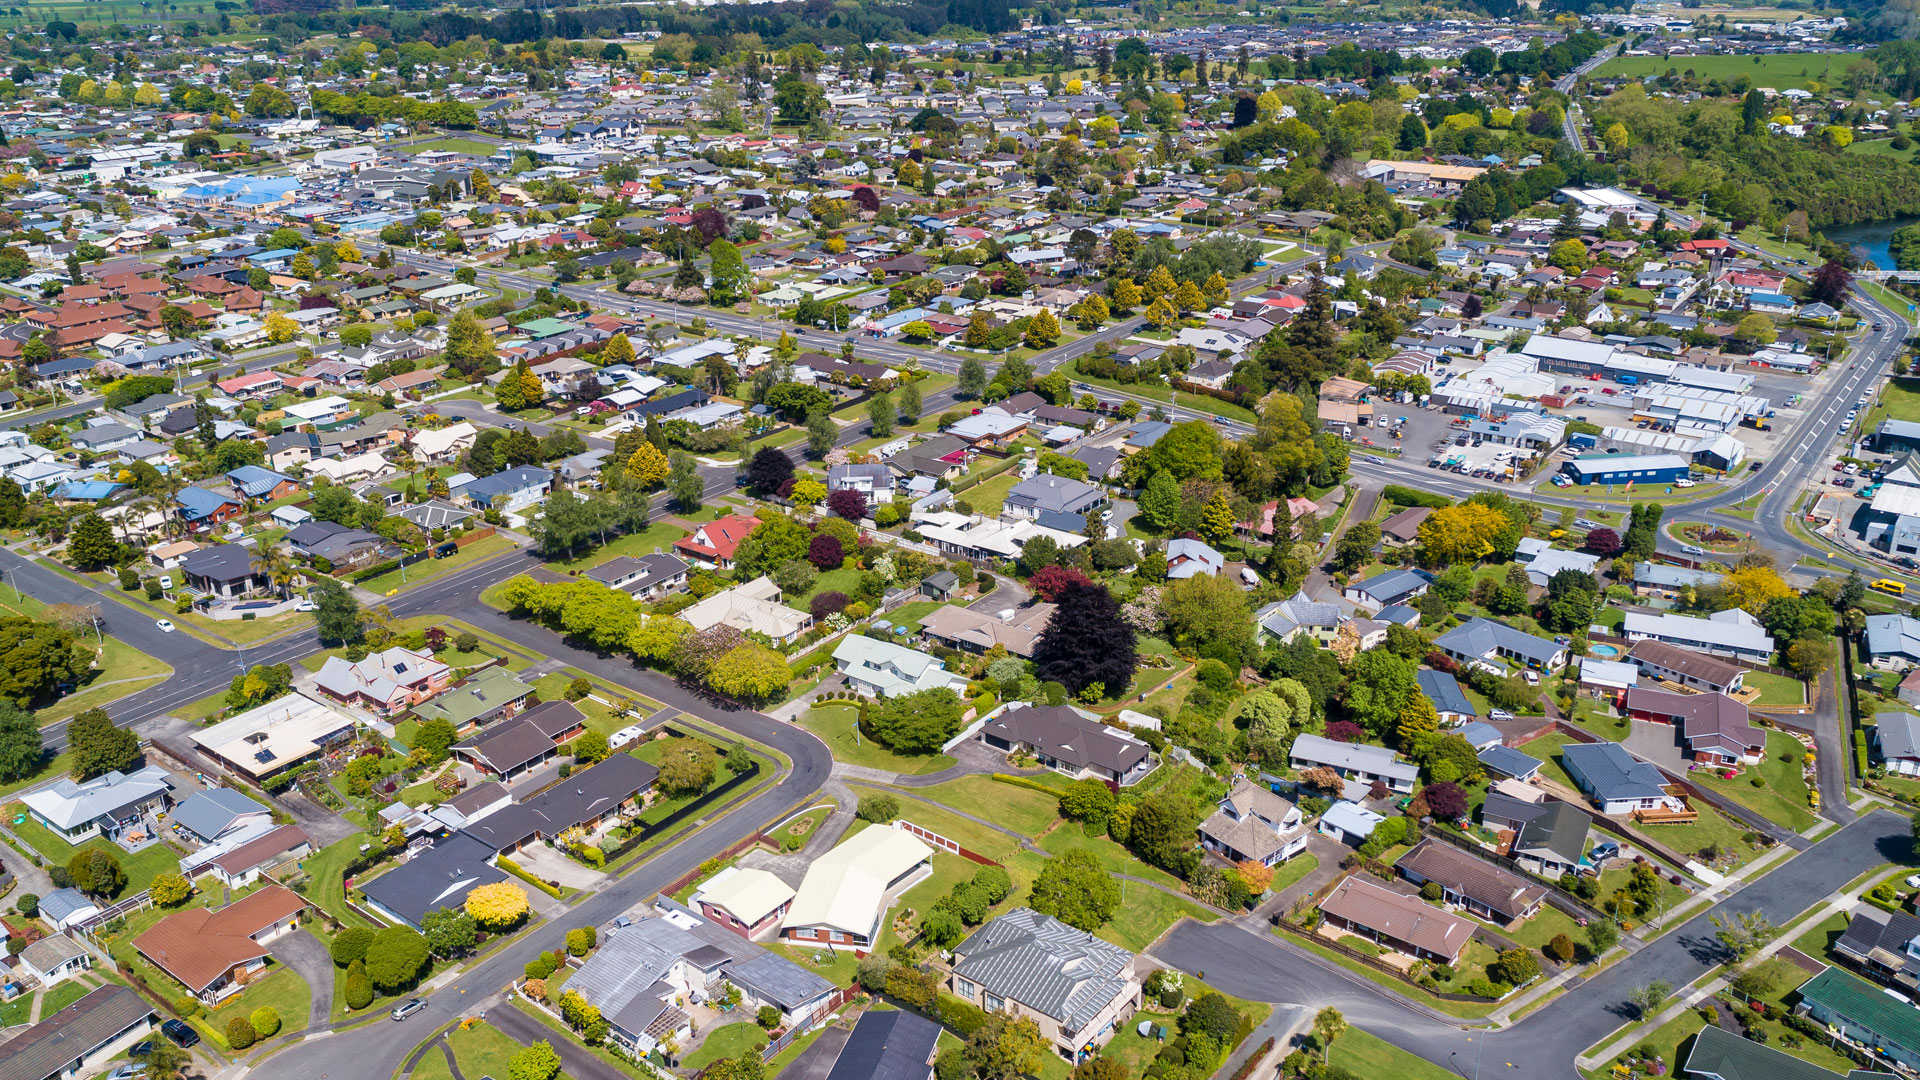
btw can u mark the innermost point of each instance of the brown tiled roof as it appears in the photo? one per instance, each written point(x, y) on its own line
point(48, 1047)
point(1476, 879)
point(253, 853)
point(1403, 918)
point(197, 946)
point(1695, 665)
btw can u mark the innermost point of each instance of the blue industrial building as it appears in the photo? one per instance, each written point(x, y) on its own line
point(1624, 468)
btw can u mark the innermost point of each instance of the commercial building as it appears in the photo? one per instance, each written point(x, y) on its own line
point(1610, 469)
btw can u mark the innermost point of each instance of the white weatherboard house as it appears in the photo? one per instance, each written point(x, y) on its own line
point(847, 891)
point(1355, 761)
point(1731, 633)
point(882, 669)
point(107, 805)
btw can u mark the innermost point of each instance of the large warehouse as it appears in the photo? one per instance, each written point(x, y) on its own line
point(1622, 469)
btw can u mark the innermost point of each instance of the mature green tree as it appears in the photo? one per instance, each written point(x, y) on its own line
point(731, 279)
point(91, 544)
point(21, 751)
point(822, 433)
point(450, 932)
point(973, 378)
point(1074, 888)
point(918, 723)
point(97, 747)
point(338, 617)
point(396, 958)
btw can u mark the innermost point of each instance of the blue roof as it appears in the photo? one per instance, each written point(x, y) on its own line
point(196, 503)
point(1607, 772)
point(1507, 761)
point(1444, 691)
point(88, 490)
point(255, 481)
point(519, 478)
point(1770, 298)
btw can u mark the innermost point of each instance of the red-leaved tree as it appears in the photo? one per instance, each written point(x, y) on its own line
point(848, 504)
point(1050, 581)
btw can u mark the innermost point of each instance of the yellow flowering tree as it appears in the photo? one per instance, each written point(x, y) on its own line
point(497, 906)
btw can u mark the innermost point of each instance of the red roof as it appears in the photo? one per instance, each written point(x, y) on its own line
point(718, 539)
point(1704, 245)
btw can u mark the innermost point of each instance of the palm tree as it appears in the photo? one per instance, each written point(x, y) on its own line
point(1328, 1025)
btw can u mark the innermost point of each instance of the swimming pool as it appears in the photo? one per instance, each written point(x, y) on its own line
point(1603, 650)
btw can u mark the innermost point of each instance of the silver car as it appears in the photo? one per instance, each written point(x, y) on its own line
point(408, 1008)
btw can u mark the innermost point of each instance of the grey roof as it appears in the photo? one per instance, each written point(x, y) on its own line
point(54, 1045)
point(1391, 585)
point(620, 976)
point(1559, 827)
point(439, 876)
point(1507, 761)
point(1479, 637)
point(227, 562)
point(1377, 760)
point(1058, 493)
point(580, 798)
point(1068, 737)
point(1898, 734)
point(1046, 965)
point(1607, 772)
point(1283, 617)
point(67, 804)
point(61, 904)
point(1893, 635)
point(207, 813)
point(1672, 577)
point(1444, 691)
point(892, 1045)
point(1872, 928)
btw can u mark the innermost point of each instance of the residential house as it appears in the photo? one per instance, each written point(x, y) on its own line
point(967, 630)
point(208, 815)
point(1732, 633)
point(712, 544)
point(225, 571)
point(514, 747)
point(54, 959)
point(1354, 761)
point(589, 800)
point(1718, 1054)
point(1883, 945)
point(750, 608)
point(1549, 837)
point(1049, 493)
point(385, 683)
point(434, 877)
point(269, 739)
point(1075, 987)
point(1686, 668)
point(1896, 742)
point(1449, 701)
point(1403, 923)
point(493, 694)
point(1893, 642)
point(110, 805)
point(1063, 740)
point(1863, 1014)
point(1486, 891)
point(1484, 642)
point(510, 490)
point(882, 669)
point(215, 954)
point(1283, 620)
point(1713, 728)
point(890, 1045)
point(80, 1039)
point(1187, 558)
point(747, 901)
point(1388, 588)
point(846, 892)
point(646, 577)
point(1616, 781)
point(1254, 824)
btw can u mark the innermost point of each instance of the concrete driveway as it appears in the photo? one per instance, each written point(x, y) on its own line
point(309, 958)
point(549, 865)
point(1658, 743)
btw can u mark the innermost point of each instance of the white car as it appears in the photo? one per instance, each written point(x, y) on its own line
point(1683, 482)
point(166, 582)
point(165, 625)
point(306, 605)
point(1691, 550)
point(1532, 677)
point(1913, 881)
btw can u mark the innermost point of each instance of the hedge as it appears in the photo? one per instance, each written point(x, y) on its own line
point(1259, 1054)
point(1860, 748)
point(513, 868)
point(1021, 781)
point(1406, 496)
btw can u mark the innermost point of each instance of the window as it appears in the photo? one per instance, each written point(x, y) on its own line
point(962, 987)
point(993, 1003)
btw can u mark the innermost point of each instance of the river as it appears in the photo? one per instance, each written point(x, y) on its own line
point(1874, 236)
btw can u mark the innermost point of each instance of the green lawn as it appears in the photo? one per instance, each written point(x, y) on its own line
point(1784, 798)
point(61, 996)
point(1711, 829)
point(1776, 689)
point(987, 497)
point(1293, 870)
point(1781, 71)
point(481, 1050)
point(285, 990)
point(833, 723)
point(1146, 913)
point(837, 967)
point(1817, 941)
point(1899, 400)
point(1018, 808)
point(1069, 836)
point(122, 670)
point(326, 868)
point(729, 1041)
point(1163, 394)
point(420, 572)
point(949, 870)
point(657, 536)
point(968, 834)
point(457, 145)
point(1547, 749)
point(1364, 1054)
point(141, 867)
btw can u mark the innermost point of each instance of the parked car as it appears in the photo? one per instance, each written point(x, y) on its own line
point(1683, 482)
point(306, 605)
point(180, 1033)
point(129, 1071)
point(408, 1008)
point(166, 582)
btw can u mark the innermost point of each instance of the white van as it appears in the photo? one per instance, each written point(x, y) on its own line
point(1248, 577)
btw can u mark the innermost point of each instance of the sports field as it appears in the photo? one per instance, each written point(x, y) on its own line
point(1783, 71)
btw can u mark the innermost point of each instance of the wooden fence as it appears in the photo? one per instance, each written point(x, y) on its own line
point(951, 847)
point(1375, 963)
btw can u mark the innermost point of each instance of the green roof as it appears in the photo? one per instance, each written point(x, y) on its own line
point(1862, 1004)
point(539, 328)
point(1723, 1055)
point(482, 694)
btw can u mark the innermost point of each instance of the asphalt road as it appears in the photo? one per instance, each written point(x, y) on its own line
point(1544, 1044)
